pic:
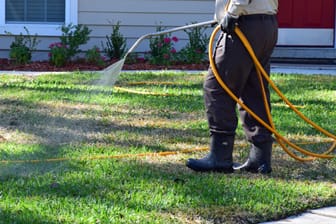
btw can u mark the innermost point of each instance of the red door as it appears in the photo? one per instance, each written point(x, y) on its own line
point(307, 22)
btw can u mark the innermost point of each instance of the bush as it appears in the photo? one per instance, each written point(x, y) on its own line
point(58, 54)
point(22, 46)
point(162, 51)
point(195, 50)
point(115, 43)
point(93, 56)
point(20, 54)
point(72, 37)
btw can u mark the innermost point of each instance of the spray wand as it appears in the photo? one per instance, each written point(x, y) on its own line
point(112, 72)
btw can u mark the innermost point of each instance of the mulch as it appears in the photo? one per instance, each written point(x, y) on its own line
point(80, 65)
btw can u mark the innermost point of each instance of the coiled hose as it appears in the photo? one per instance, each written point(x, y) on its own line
point(262, 73)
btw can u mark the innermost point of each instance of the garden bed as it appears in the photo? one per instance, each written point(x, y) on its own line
point(82, 65)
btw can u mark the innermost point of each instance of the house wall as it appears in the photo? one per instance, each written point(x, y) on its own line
point(136, 19)
point(142, 17)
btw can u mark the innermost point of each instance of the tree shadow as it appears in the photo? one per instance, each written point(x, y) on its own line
point(53, 131)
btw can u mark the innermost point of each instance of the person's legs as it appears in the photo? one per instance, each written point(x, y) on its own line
point(260, 153)
point(234, 65)
point(252, 97)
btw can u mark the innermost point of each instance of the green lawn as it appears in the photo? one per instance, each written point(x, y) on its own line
point(84, 127)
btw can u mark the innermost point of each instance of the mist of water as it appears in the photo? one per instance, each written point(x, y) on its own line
point(111, 74)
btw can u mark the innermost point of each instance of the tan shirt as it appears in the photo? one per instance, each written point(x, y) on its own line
point(245, 7)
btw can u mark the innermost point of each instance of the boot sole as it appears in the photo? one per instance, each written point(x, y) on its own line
point(242, 168)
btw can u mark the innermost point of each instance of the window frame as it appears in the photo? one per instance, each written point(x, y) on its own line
point(43, 29)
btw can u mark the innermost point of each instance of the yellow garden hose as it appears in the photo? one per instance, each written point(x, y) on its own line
point(262, 73)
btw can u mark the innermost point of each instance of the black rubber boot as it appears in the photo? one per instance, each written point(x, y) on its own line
point(259, 160)
point(219, 159)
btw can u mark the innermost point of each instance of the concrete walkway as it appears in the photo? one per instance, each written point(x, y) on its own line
point(316, 216)
point(308, 69)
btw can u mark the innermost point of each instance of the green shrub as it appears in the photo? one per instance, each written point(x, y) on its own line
point(22, 46)
point(20, 54)
point(195, 50)
point(72, 37)
point(93, 56)
point(115, 43)
point(58, 54)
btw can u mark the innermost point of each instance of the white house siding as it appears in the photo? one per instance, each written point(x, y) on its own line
point(139, 17)
point(136, 17)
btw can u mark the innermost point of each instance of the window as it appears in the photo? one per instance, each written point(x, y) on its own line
point(35, 11)
point(43, 17)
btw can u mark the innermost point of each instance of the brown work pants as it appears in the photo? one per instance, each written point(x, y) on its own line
point(238, 72)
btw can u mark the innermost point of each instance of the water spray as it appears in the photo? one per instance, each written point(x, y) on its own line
point(111, 73)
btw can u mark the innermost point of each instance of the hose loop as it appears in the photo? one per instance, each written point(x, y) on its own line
point(271, 127)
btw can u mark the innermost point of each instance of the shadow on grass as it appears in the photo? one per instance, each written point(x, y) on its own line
point(57, 125)
point(53, 132)
point(23, 216)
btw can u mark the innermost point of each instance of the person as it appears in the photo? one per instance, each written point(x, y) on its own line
point(257, 20)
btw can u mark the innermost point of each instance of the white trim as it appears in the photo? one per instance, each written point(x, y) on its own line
point(335, 29)
point(2, 13)
point(306, 37)
point(71, 16)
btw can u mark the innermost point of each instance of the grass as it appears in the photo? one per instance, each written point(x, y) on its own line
point(68, 118)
